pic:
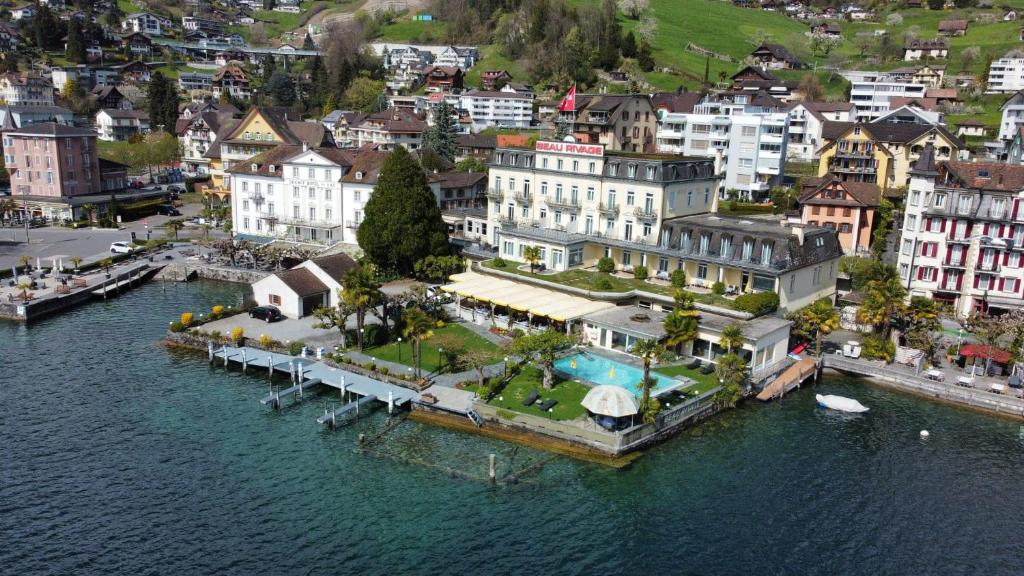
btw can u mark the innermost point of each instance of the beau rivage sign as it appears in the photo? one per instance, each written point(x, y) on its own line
point(570, 148)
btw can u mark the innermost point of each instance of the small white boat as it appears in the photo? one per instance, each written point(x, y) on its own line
point(840, 403)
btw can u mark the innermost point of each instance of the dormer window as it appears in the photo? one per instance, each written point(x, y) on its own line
point(515, 159)
point(255, 167)
point(983, 174)
point(650, 172)
point(501, 158)
point(359, 175)
point(613, 170)
point(271, 168)
point(631, 171)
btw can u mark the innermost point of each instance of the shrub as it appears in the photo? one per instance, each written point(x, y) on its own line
point(217, 311)
point(640, 272)
point(177, 326)
point(440, 324)
point(237, 334)
point(678, 278)
point(186, 318)
point(606, 265)
point(757, 303)
point(878, 347)
point(603, 284)
point(370, 366)
point(384, 370)
point(215, 335)
point(264, 340)
point(516, 333)
point(295, 348)
point(499, 262)
point(718, 288)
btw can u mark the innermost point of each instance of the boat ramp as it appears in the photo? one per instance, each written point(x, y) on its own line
point(792, 377)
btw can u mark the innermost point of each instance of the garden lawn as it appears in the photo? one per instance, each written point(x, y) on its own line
point(410, 31)
point(450, 332)
point(568, 393)
point(704, 383)
point(585, 279)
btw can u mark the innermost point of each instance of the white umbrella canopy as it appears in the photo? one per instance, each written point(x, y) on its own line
point(610, 401)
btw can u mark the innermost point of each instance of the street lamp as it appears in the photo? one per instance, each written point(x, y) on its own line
point(399, 349)
point(440, 360)
point(362, 337)
point(506, 367)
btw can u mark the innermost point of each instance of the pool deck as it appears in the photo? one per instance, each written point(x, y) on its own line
point(681, 382)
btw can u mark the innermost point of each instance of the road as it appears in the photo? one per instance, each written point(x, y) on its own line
point(89, 243)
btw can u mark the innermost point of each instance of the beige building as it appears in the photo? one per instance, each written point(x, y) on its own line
point(625, 122)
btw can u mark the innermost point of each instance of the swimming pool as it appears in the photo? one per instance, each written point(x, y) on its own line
point(598, 370)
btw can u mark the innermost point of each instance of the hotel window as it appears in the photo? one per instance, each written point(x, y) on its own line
point(328, 213)
point(558, 216)
point(512, 184)
point(575, 256)
point(312, 193)
point(965, 205)
point(701, 128)
point(647, 229)
point(628, 231)
point(558, 164)
point(702, 271)
point(270, 208)
point(245, 223)
point(611, 198)
point(630, 198)
point(844, 228)
point(525, 212)
point(749, 131)
point(295, 171)
point(590, 194)
point(627, 258)
point(650, 172)
point(672, 200)
point(613, 170)
point(940, 200)
point(593, 167)
point(766, 254)
point(544, 188)
point(575, 165)
point(497, 183)
point(915, 198)
point(311, 174)
point(259, 225)
point(699, 145)
point(746, 162)
point(558, 192)
point(543, 213)
point(245, 186)
point(327, 194)
point(312, 213)
point(508, 247)
point(574, 194)
point(295, 191)
point(662, 264)
point(631, 170)
point(911, 222)
point(295, 211)
point(544, 162)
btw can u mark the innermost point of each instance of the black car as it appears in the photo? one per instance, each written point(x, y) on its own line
point(267, 313)
point(167, 210)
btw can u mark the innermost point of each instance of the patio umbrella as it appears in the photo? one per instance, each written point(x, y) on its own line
point(610, 401)
point(14, 271)
point(39, 263)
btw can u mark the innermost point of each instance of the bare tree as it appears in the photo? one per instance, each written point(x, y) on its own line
point(824, 44)
point(894, 19)
point(633, 8)
point(647, 28)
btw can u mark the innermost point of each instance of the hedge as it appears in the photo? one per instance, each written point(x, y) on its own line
point(757, 303)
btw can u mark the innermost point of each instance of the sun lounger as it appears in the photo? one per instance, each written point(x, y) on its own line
point(707, 369)
point(694, 365)
point(547, 405)
point(531, 398)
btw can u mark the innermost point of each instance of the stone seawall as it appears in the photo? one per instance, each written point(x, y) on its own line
point(182, 271)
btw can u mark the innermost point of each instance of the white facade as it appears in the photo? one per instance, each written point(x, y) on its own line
point(1013, 114)
point(145, 23)
point(871, 93)
point(749, 148)
point(299, 200)
point(21, 89)
point(1006, 75)
point(962, 246)
point(805, 127)
point(504, 109)
point(120, 125)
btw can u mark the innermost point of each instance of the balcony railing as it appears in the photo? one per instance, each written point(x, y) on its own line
point(645, 214)
point(992, 266)
point(257, 198)
point(496, 195)
point(353, 224)
point(524, 198)
point(564, 202)
point(609, 210)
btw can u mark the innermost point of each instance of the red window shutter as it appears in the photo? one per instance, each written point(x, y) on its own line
point(952, 228)
point(959, 281)
point(977, 281)
point(1006, 258)
point(970, 226)
point(949, 255)
point(991, 282)
point(984, 229)
point(1002, 230)
point(943, 226)
point(1016, 206)
point(935, 249)
point(1016, 286)
point(928, 225)
point(1002, 284)
point(920, 273)
point(945, 277)
point(980, 253)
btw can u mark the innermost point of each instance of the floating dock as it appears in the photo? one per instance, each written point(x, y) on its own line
point(791, 378)
point(307, 373)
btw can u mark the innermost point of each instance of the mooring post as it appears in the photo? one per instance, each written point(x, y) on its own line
point(299, 379)
point(391, 402)
point(362, 437)
point(225, 350)
point(270, 366)
point(491, 475)
point(209, 349)
point(245, 361)
point(357, 408)
point(291, 370)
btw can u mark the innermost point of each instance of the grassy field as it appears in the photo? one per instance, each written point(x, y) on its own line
point(568, 393)
point(705, 382)
point(586, 280)
point(450, 333)
point(407, 30)
point(491, 59)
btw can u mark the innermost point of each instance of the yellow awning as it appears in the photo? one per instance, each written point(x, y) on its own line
point(523, 297)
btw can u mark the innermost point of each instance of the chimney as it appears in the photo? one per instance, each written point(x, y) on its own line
point(305, 146)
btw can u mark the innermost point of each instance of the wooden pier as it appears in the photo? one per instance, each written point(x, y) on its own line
point(791, 378)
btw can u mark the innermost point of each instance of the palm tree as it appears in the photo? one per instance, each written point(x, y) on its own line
point(883, 301)
point(90, 212)
point(545, 345)
point(680, 327)
point(732, 337)
point(23, 261)
point(24, 286)
point(814, 321)
point(174, 226)
point(77, 261)
point(6, 207)
point(647, 350)
point(532, 255)
point(361, 291)
point(731, 370)
point(418, 327)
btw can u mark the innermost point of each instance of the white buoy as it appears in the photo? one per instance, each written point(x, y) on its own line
point(924, 434)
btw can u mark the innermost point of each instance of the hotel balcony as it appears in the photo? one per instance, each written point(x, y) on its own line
point(524, 198)
point(958, 240)
point(353, 224)
point(496, 195)
point(256, 197)
point(961, 263)
point(611, 211)
point(645, 214)
point(307, 223)
point(992, 266)
point(859, 154)
point(563, 202)
point(854, 169)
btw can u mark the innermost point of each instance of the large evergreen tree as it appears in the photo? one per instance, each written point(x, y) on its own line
point(75, 47)
point(47, 31)
point(162, 102)
point(402, 222)
point(281, 89)
point(440, 138)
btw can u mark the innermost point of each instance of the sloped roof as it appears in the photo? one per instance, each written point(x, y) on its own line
point(367, 166)
point(817, 109)
point(927, 44)
point(460, 179)
point(53, 129)
point(335, 265)
point(858, 193)
point(302, 282)
point(778, 51)
point(898, 132)
point(676, 101)
point(987, 175)
point(952, 25)
point(476, 141)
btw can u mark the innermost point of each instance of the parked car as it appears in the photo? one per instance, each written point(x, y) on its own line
point(121, 248)
point(167, 210)
point(266, 313)
point(174, 189)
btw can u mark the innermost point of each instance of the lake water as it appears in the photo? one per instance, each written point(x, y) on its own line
point(119, 456)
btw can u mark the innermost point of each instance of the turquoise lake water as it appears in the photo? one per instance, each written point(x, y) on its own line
point(119, 456)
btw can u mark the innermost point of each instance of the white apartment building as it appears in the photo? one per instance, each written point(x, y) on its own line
point(25, 89)
point(806, 120)
point(578, 203)
point(871, 92)
point(747, 145)
point(1006, 75)
point(1013, 116)
point(146, 23)
point(503, 109)
point(117, 125)
point(290, 192)
point(963, 235)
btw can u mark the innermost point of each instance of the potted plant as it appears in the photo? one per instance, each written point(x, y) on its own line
point(76, 261)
